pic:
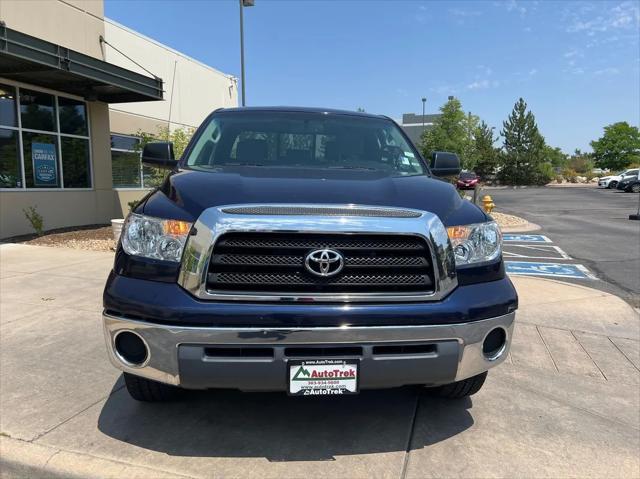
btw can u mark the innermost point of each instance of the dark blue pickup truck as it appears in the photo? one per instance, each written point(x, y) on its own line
point(310, 251)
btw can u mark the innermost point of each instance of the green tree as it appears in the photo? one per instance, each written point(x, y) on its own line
point(487, 156)
point(555, 156)
point(180, 138)
point(448, 132)
point(469, 154)
point(524, 148)
point(618, 148)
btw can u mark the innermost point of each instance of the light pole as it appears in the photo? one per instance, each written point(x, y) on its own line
point(243, 3)
point(424, 102)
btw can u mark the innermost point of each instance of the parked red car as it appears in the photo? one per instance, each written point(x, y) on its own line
point(467, 180)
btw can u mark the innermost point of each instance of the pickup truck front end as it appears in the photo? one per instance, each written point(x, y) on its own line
point(309, 298)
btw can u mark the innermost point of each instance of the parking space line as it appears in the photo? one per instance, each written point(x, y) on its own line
point(537, 252)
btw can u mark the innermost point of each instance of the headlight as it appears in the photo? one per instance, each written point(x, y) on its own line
point(154, 238)
point(476, 243)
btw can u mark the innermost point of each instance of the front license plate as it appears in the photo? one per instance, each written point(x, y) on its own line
point(323, 377)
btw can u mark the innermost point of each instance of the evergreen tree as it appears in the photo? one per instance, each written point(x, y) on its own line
point(448, 132)
point(487, 156)
point(524, 150)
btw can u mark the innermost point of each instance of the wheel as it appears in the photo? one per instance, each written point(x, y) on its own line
point(635, 188)
point(146, 390)
point(612, 185)
point(461, 389)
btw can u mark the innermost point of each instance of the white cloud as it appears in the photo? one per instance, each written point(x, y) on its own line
point(479, 85)
point(592, 21)
point(533, 71)
point(607, 71)
point(460, 12)
point(572, 53)
point(514, 6)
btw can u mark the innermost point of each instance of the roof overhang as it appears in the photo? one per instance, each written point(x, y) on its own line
point(38, 62)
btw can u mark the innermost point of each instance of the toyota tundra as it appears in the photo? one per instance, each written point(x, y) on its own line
point(310, 251)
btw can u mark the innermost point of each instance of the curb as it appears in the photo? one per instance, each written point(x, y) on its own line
point(528, 227)
point(22, 459)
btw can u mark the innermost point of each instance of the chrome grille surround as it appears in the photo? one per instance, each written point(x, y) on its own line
point(321, 210)
point(216, 221)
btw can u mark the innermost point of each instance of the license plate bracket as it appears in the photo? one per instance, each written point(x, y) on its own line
point(323, 377)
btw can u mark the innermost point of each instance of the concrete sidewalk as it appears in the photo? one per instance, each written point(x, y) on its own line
point(565, 403)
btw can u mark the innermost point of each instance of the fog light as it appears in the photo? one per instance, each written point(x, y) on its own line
point(494, 344)
point(131, 348)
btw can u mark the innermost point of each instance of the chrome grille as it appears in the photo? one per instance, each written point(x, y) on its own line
point(274, 262)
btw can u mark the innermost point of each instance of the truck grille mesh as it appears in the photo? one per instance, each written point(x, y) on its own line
point(275, 262)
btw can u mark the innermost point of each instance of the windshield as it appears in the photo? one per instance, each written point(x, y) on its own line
point(303, 140)
point(467, 175)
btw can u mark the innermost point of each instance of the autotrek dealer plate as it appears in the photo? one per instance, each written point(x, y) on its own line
point(323, 377)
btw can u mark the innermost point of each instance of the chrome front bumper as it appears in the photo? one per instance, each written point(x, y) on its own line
point(177, 354)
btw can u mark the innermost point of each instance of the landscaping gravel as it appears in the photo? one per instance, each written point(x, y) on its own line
point(89, 238)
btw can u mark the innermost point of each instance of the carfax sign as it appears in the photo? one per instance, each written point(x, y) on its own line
point(45, 164)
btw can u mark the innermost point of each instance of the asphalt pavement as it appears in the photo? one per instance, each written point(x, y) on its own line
point(589, 224)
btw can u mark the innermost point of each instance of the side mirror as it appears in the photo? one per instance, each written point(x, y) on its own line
point(444, 163)
point(159, 154)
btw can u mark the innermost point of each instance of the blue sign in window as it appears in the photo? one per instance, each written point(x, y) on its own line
point(45, 164)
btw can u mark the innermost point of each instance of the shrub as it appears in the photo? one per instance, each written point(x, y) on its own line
point(544, 174)
point(559, 179)
point(570, 175)
point(35, 218)
point(132, 205)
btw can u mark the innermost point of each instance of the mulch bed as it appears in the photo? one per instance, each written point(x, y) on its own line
point(92, 237)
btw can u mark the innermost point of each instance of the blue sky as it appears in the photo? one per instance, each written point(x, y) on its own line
point(577, 64)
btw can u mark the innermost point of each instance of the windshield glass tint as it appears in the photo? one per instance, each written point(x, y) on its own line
point(304, 140)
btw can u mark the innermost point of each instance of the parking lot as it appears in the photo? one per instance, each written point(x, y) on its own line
point(565, 403)
point(590, 225)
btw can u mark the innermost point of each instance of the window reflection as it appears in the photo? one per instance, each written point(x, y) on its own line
point(8, 106)
point(75, 162)
point(73, 116)
point(37, 110)
point(9, 164)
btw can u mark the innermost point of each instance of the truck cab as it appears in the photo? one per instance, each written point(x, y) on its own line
point(310, 251)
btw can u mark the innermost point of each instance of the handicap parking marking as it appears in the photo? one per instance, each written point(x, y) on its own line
point(557, 270)
point(516, 238)
point(537, 251)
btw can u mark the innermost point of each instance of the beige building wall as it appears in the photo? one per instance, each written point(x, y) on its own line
point(192, 89)
point(75, 24)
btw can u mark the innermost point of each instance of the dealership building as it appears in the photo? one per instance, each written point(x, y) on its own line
point(75, 91)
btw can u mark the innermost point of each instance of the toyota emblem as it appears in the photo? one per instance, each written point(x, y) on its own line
point(324, 262)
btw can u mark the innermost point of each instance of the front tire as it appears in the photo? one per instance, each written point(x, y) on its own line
point(612, 185)
point(461, 389)
point(146, 390)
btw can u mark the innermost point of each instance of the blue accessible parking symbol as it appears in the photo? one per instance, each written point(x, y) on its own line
point(516, 238)
point(558, 270)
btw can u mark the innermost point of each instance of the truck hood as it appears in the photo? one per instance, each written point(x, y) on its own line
point(185, 194)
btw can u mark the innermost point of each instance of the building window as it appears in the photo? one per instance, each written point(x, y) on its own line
point(126, 167)
point(44, 140)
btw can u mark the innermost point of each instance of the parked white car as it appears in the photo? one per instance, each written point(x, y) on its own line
point(613, 180)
